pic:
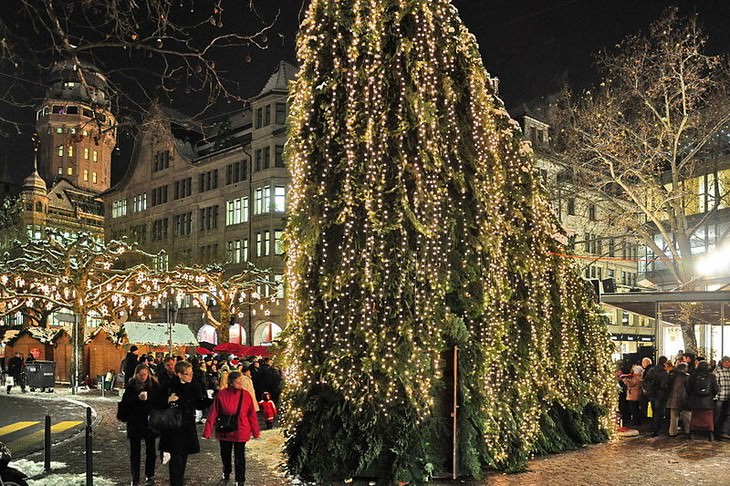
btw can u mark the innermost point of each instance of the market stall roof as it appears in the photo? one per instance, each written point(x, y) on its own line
point(157, 334)
point(709, 304)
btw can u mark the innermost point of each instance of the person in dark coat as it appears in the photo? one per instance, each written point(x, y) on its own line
point(129, 364)
point(702, 390)
point(654, 378)
point(166, 374)
point(187, 395)
point(15, 369)
point(227, 402)
point(678, 389)
point(270, 380)
point(141, 395)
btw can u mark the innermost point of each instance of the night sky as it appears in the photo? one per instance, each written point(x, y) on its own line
point(531, 45)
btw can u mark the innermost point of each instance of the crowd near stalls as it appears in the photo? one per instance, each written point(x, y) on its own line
point(165, 399)
point(682, 395)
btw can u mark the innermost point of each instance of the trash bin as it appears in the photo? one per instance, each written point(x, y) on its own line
point(41, 374)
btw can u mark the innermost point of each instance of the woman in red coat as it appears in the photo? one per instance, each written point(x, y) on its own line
point(227, 402)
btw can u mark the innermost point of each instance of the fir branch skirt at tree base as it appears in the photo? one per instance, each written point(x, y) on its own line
point(416, 224)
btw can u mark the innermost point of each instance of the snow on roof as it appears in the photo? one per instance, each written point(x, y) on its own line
point(157, 334)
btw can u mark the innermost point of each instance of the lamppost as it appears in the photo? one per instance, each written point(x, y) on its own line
point(172, 308)
point(75, 375)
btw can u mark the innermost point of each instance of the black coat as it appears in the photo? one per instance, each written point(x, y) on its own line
point(138, 410)
point(702, 402)
point(130, 363)
point(191, 397)
point(15, 367)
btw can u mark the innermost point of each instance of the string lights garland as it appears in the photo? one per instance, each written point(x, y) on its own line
point(416, 223)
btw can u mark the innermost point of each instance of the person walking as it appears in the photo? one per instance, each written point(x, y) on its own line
point(633, 393)
point(141, 395)
point(15, 371)
point(722, 400)
point(248, 385)
point(233, 400)
point(129, 363)
point(187, 395)
point(678, 386)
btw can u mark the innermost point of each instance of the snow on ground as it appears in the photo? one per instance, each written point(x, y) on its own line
point(32, 469)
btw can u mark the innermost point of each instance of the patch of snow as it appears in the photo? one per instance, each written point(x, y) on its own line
point(33, 468)
point(69, 480)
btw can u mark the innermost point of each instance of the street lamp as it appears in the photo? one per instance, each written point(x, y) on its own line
point(172, 308)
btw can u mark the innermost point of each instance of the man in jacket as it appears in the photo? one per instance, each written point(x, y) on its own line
point(656, 394)
point(722, 400)
point(15, 369)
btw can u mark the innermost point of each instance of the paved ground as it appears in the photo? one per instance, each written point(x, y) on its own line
point(640, 460)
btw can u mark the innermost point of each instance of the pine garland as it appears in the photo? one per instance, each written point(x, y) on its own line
point(417, 223)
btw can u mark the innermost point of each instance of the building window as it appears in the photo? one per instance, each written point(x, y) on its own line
point(86, 153)
point(209, 253)
point(208, 180)
point(236, 172)
point(263, 241)
point(70, 170)
point(95, 156)
point(94, 177)
point(611, 247)
point(592, 212)
point(278, 242)
point(139, 202)
point(70, 151)
point(208, 218)
point(237, 251)
point(237, 211)
point(280, 113)
point(279, 199)
point(139, 233)
point(571, 206)
point(183, 224)
point(60, 171)
point(59, 149)
point(59, 129)
point(267, 115)
point(159, 195)
point(159, 229)
point(160, 262)
point(262, 158)
point(263, 200)
point(86, 175)
point(259, 118)
point(183, 188)
point(279, 156)
point(587, 243)
point(161, 161)
point(119, 208)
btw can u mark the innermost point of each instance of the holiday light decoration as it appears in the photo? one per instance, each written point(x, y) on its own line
point(416, 223)
point(230, 292)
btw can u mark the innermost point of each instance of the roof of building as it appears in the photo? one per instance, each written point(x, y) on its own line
point(157, 334)
point(35, 182)
point(279, 81)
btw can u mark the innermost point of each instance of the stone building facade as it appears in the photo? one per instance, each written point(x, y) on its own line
point(213, 195)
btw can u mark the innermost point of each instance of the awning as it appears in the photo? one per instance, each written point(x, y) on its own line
point(158, 334)
point(709, 307)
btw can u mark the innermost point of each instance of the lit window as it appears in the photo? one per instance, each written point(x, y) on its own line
point(59, 130)
point(86, 175)
point(86, 153)
point(119, 208)
point(96, 156)
point(279, 199)
point(70, 151)
point(60, 171)
point(70, 171)
point(94, 179)
point(278, 242)
point(60, 150)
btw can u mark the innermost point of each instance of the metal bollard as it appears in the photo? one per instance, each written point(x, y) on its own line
point(89, 451)
point(47, 447)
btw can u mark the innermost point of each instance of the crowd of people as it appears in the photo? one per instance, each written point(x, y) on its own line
point(224, 394)
point(685, 395)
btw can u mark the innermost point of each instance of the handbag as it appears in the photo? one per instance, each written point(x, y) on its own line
point(165, 419)
point(122, 411)
point(229, 423)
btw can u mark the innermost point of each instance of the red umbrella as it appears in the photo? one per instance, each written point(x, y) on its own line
point(200, 350)
point(232, 348)
point(256, 351)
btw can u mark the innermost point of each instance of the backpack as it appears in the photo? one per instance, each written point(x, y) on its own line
point(701, 386)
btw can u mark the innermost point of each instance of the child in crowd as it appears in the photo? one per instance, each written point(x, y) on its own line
point(269, 410)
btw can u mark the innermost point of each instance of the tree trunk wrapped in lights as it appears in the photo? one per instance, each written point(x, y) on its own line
point(417, 223)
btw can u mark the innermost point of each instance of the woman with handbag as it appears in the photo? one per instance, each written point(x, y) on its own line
point(141, 395)
point(186, 395)
point(234, 419)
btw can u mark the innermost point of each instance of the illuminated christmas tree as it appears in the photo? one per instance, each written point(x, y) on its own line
point(416, 224)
